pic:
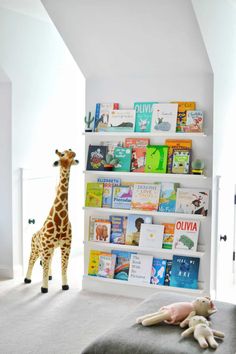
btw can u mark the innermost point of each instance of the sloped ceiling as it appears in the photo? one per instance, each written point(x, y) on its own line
point(111, 38)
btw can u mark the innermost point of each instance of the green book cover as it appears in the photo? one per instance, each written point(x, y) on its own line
point(124, 159)
point(94, 193)
point(143, 121)
point(156, 158)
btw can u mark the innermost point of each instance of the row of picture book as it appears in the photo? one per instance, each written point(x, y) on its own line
point(181, 271)
point(139, 230)
point(163, 197)
point(138, 155)
point(149, 117)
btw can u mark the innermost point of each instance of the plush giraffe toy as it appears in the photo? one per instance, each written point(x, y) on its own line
point(56, 230)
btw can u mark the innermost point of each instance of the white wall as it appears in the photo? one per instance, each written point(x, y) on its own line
point(47, 106)
point(6, 254)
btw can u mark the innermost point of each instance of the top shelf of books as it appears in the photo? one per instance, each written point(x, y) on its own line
point(151, 134)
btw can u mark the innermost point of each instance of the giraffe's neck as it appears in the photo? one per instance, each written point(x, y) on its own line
point(61, 200)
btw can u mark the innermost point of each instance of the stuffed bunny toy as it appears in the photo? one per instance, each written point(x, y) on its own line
point(199, 326)
point(179, 312)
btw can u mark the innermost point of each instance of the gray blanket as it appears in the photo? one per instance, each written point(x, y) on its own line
point(131, 338)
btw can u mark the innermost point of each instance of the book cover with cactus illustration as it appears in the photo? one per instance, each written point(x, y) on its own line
point(143, 119)
point(164, 117)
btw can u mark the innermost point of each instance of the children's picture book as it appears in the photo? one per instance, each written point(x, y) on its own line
point(121, 120)
point(145, 196)
point(183, 107)
point(194, 122)
point(118, 229)
point(134, 224)
point(94, 261)
point(106, 267)
point(143, 120)
point(102, 231)
point(108, 184)
point(184, 272)
point(168, 236)
point(164, 117)
point(186, 234)
point(181, 161)
point(168, 272)
point(176, 144)
point(192, 201)
point(111, 145)
point(151, 236)
point(122, 264)
point(121, 198)
point(124, 159)
point(158, 271)
point(94, 192)
point(140, 268)
point(156, 159)
point(138, 159)
point(92, 220)
point(102, 114)
point(96, 157)
point(167, 202)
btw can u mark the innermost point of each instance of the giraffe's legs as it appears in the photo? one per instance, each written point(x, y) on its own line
point(46, 259)
point(65, 253)
point(34, 255)
point(50, 268)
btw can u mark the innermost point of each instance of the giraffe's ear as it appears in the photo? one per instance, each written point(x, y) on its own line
point(56, 163)
point(58, 153)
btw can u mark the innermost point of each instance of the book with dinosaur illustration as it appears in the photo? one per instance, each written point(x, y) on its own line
point(143, 119)
point(134, 224)
point(181, 161)
point(122, 264)
point(140, 268)
point(151, 236)
point(118, 229)
point(183, 107)
point(102, 114)
point(122, 197)
point(96, 157)
point(164, 117)
point(121, 120)
point(106, 266)
point(145, 196)
point(108, 184)
point(168, 236)
point(94, 192)
point(158, 271)
point(186, 234)
point(94, 261)
point(124, 159)
point(156, 159)
point(184, 272)
point(192, 201)
point(138, 158)
point(176, 144)
point(167, 202)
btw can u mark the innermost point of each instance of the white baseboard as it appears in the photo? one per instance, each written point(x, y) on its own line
point(6, 272)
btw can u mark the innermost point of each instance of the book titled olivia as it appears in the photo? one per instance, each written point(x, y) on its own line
point(186, 234)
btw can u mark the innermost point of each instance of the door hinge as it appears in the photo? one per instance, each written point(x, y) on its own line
point(233, 256)
point(235, 199)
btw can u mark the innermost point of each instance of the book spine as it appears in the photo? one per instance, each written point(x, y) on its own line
point(97, 115)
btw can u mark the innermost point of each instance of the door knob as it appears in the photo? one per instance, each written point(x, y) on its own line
point(31, 221)
point(224, 238)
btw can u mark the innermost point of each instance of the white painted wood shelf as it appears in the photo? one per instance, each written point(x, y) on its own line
point(150, 286)
point(149, 135)
point(171, 176)
point(151, 213)
point(165, 252)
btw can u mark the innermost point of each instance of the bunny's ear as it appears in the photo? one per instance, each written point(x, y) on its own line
point(207, 297)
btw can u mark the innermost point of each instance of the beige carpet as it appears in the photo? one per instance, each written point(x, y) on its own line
point(58, 322)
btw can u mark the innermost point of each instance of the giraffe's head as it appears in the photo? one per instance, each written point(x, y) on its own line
point(66, 159)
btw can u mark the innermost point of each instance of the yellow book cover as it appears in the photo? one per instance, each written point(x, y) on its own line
point(94, 261)
point(183, 107)
point(94, 194)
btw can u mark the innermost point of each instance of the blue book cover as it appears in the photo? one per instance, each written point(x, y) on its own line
point(168, 272)
point(158, 271)
point(143, 121)
point(118, 229)
point(108, 184)
point(184, 272)
point(121, 198)
point(167, 201)
point(97, 116)
point(122, 264)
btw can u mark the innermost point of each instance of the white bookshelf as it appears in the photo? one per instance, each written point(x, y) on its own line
point(113, 286)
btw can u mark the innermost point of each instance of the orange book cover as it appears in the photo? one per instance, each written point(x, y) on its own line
point(183, 107)
point(168, 236)
point(176, 144)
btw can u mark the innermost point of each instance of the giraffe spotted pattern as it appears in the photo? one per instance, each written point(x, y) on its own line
point(56, 230)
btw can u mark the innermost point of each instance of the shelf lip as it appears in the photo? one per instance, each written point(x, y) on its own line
point(152, 286)
point(152, 213)
point(143, 174)
point(130, 134)
point(144, 249)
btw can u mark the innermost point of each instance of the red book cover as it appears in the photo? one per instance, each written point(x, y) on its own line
point(138, 158)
